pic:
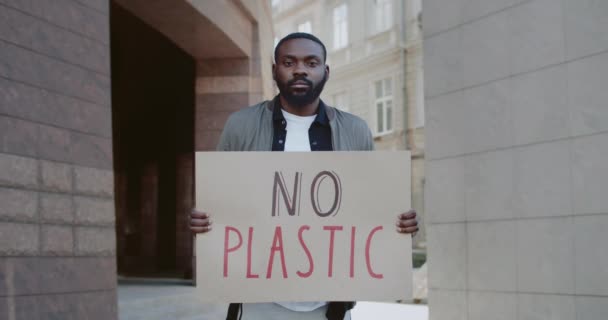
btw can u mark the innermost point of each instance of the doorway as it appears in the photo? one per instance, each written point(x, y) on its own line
point(153, 83)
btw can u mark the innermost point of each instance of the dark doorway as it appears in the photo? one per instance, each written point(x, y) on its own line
point(153, 101)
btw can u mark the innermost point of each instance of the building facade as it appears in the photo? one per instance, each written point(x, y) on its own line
point(374, 54)
point(102, 106)
point(517, 129)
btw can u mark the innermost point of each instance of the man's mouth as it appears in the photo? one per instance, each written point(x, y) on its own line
point(300, 84)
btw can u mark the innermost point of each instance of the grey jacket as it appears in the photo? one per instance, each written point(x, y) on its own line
point(251, 129)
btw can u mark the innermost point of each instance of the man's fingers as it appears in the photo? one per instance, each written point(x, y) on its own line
point(198, 215)
point(200, 229)
point(408, 215)
point(406, 223)
point(407, 230)
point(200, 222)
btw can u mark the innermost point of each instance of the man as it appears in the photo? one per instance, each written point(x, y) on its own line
point(296, 120)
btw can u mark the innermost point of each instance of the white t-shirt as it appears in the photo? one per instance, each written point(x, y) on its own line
point(297, 132)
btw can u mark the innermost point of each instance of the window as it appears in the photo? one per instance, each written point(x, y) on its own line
point(340, 19)
point(305, 27)
point(383, 15)
point(275, 3)
point(383, 104)
point(340, 101)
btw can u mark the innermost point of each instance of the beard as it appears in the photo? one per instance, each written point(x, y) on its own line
point(301, 99)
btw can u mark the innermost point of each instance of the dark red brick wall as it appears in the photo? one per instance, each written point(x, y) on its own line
point(57, 237)
point(214, 106)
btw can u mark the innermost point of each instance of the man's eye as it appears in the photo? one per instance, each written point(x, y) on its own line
point(287, 63)
point(313, 64)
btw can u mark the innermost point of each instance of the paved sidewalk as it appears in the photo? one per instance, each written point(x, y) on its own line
point(176, 300)
point(164, 300)
point(389, 311)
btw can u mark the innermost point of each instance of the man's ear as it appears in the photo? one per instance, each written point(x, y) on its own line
point(327, 71)
point(274, 72)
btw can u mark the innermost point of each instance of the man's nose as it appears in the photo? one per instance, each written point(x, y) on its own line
point(300, 70)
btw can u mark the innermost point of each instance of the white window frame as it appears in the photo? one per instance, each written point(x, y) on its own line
point(305, 26)
point(383, 15)
point(340, 26)
point(386, 102)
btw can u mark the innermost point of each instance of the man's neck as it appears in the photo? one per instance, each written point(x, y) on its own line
point(307, 110)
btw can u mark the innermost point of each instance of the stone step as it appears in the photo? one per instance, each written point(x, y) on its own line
point(177, 307)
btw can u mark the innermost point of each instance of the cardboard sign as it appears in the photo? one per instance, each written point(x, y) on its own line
point(303, 226)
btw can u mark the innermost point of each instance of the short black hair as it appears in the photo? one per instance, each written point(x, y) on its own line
point(299, 35)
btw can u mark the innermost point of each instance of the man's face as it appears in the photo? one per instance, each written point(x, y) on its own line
point(300, 71)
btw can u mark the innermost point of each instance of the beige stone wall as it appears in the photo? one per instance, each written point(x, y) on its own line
point(516, 158)
point(357, 82)
point(368, 57)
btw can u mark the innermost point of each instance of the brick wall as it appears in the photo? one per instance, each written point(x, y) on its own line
point(57, 238)
point(226, 85)
point(222, 87)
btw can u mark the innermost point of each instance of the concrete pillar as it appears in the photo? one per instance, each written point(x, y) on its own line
point(517, 141)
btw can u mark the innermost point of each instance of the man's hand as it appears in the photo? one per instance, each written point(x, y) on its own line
point(199, 222)
point(406, 222)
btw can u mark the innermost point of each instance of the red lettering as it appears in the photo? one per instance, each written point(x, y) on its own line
point(250, 275)
point(311, 264)
point(233, 241)
point(367, 259)
point(332, 230)
point(227, 243)
point(277, 245)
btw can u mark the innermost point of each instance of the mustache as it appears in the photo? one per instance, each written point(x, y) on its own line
point(293, 81)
